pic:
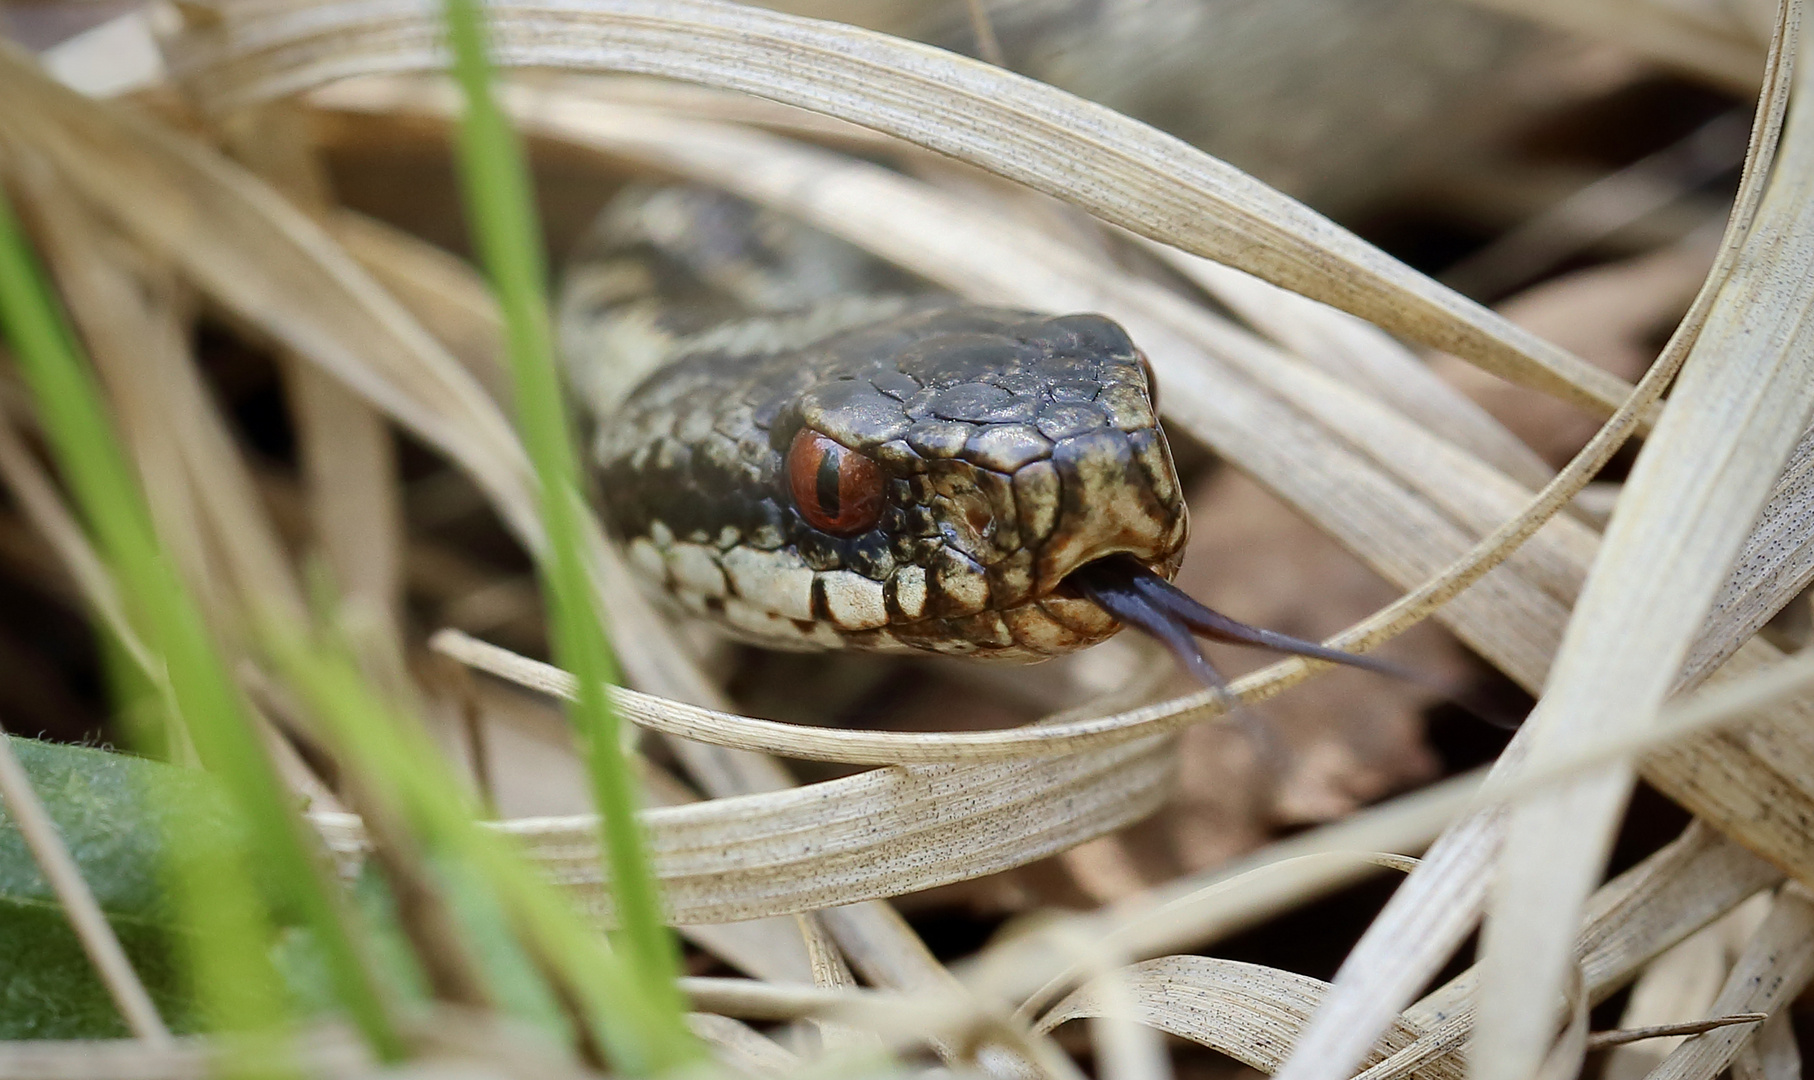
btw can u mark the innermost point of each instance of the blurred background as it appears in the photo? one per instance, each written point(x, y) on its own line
point(1575, 184)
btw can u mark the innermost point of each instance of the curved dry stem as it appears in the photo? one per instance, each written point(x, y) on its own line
point(1119, 169)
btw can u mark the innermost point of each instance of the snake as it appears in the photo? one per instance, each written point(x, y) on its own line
point(813, 449)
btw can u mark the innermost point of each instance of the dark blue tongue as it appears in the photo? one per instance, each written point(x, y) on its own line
point(1130, 592)
point(1142, 599)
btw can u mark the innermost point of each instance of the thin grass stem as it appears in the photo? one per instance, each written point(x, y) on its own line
point(503, 220)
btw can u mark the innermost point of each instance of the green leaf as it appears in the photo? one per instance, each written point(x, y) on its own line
point(111, 810)
point(48, 989)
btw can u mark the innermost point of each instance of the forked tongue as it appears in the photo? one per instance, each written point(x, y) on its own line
point(1130, 592)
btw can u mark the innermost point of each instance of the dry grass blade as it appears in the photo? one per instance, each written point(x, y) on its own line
point(1648, 909)
point(1348, 348)
point(987, 46)
point(1198, 908)
point(888, 953)
point(207, 505)
point(1638, 915)
point(270, 264)
point(742, 1047)
point(1772, 1054)
point(1680, 986)
point(748, 999)
point(1441, 903)
point(44, 507)
point(1732, 701)
point(1601, 1040)
point(1696, 879)
point(348, 461)
point(1775, 967)
point(1601, 208)
point(853, 746)
point(1776, 562)
point(864, 837)
point(1427, 918)
point(1740, 404)
point(1124, 1047)
point(904, 1020)
point(443, 292)
point(1119, 169)
point(831, 972)
point(325, 1053)
point(1251, 1013)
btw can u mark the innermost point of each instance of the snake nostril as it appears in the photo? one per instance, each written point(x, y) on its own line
point(1108, 505)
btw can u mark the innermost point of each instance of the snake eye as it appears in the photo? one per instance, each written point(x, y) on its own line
point(838, 490)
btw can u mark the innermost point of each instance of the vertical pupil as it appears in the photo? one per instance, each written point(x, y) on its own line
point(826, 482)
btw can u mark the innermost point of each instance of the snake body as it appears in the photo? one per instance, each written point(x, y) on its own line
point(814, 450)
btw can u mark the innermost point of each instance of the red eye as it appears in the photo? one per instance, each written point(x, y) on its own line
point(838, 490)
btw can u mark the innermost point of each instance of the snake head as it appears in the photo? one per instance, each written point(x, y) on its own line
point(1006, 450)
point(925, 481)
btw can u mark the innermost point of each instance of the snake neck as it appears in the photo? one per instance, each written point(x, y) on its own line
point(668, 271)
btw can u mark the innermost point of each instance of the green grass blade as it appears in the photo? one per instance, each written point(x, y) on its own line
point(502, 215)
point(195, 677)
point(403, 767)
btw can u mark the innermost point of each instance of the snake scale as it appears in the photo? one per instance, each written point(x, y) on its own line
point(814, 450)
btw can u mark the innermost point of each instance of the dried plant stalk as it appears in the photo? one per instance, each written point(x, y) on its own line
point(1740, 404)
point(202, 489)
point(1256, 1016)
point(877, 834)
point(1119, 169)
point(271, 265)
point(1251, 1013)
point(1776, 965)
point(348, 461)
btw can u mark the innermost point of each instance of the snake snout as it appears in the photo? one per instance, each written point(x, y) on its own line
point(1118, 495)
